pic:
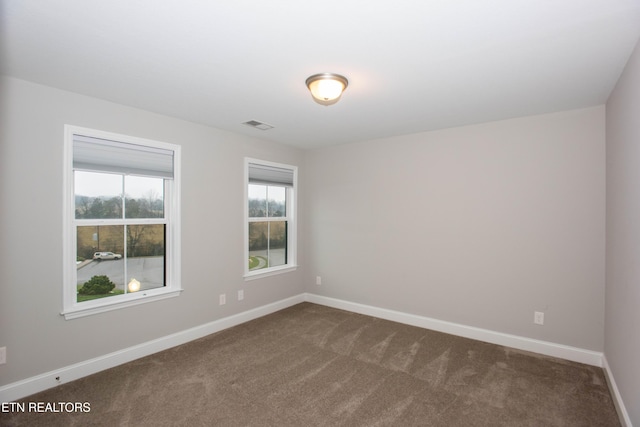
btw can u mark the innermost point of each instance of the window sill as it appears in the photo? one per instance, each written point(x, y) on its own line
point(270, 272)
point(101, 306)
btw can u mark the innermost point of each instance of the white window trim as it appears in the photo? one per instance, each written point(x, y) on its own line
point(71, 308)
point(292, 229)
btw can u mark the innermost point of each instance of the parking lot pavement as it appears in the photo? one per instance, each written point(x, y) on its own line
point(149, 271)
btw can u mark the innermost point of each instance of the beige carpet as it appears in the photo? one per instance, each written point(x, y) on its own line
point(311, 365)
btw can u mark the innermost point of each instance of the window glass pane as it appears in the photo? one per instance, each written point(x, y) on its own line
point(277, 243)
point(267, 244)
point(277, 201)
point(144, 197)
point(97, 195)
point(99, 238)
point(258, 245)
point(103, 261)
point(145, 257)
point(257, 200)
point(99, 261)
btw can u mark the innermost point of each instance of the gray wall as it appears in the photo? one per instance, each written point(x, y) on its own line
point(38, 339)
point(622, 343)
point(479, 225)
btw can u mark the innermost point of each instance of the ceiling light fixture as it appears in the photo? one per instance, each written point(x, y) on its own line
point(327, 88)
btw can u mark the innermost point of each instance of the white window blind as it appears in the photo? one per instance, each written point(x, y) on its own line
point(270, 175)
point(96, 154)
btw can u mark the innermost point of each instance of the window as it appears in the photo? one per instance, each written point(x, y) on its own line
point(270, 232)
point(122, 224)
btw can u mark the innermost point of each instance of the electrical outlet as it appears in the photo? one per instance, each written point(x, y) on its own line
point(538, 318)
point(240, 295)
point(318, 280)
point(223, 299)
point(3, 355)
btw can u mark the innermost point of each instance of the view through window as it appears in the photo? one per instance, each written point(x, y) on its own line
point(267, 226)
point(128, 254)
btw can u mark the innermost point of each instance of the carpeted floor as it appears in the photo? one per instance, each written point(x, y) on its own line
point(311, 365)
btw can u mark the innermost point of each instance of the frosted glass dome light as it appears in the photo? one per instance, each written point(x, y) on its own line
point(327, 88)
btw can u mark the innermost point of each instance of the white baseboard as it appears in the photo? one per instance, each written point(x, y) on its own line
point(588, 357)
point(29, 386)
point(625, 420)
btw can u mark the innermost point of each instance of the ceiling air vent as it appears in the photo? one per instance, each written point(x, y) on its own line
point(258, 125)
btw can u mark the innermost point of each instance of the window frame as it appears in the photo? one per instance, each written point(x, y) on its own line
point(290, 218)
point(71, 307)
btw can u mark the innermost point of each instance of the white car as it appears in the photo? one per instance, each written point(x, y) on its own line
point(106, 255)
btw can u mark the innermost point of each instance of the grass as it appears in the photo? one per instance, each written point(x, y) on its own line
point(82, 298)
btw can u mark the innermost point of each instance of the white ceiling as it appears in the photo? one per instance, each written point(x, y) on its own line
point(412, 65)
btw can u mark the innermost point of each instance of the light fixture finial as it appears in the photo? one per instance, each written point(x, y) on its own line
point(326, 88)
